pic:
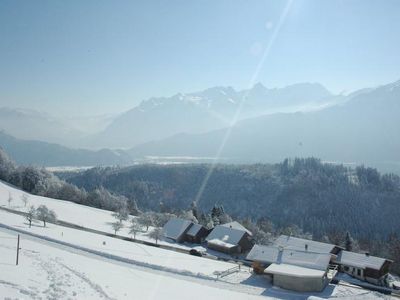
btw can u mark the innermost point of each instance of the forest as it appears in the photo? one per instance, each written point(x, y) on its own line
point(356, 208)
point(317, 197)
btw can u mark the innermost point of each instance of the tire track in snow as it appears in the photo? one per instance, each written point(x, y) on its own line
point(93, 285)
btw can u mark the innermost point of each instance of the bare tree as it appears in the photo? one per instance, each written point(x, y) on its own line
point(156, 234)
point(116, 226)
point(45, 215)
point(121, 214)
point(30, 215)
point(135, 228)
point(146, 219)
point(24, 199)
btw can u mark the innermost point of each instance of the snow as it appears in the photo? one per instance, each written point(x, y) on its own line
point(67, 211)
point(135, 252)
point(225, 234)
point(76, 264)
point(46, 272)
point(222, 242)
point(292, 270)
point(360, 260)
point(176, 228)
point(273, 254)
point(237, 226)
point(289, 242)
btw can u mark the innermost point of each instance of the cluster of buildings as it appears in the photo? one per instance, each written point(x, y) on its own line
point(291, 263)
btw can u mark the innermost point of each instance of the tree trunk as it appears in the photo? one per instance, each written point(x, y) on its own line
point(30, 223)
point(44, 223)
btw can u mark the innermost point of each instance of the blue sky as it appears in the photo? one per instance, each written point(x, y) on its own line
point(93, 57)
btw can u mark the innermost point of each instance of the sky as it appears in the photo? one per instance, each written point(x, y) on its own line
point(101, 57)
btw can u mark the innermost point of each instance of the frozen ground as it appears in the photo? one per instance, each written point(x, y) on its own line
point(47, 272)
point(81, 215)
point(53, 271)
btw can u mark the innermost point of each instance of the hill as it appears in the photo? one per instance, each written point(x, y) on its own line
point(30, 152)
point(316, 197)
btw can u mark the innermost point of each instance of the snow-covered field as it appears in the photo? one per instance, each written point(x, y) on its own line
point(46, 272)
point(81, 215)
point(93, 266)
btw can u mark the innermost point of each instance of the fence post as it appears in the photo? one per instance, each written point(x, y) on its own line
point(18, 248)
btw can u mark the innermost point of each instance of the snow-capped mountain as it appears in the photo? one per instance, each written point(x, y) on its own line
point(364, 129)
point(211, 109)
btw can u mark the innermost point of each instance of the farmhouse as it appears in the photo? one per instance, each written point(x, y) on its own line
point(364, 266)
point(179, 230)
point(293, 243)
point(176, 229)
point(196, 234)
point(296, 270)
point(230, 238)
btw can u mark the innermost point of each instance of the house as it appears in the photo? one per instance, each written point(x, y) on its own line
point(230, 238)
point(364, 266)
point(196, 234)
point(297, 270)
point(176, 229)
point(180, 230)
point(290, 242)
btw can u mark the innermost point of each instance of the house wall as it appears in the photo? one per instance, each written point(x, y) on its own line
point(245, 243)
point(232, 250)
point(354, 271)
point(299, 284)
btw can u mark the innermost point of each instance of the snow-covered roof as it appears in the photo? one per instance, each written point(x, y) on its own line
point(289, 242)
point(221, 243)
point(238, 226)
point(264, 254)
point(274, 254)
point(175, 228)
point(359, 260)
point(194, 229)
point(306, 259)
point(226, 234)
point(294, 271)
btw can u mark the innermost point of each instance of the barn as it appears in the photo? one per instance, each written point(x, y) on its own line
point(364, 266)
point(295, 270)
point(230, 238)
point(196, 234)
point(175, 229)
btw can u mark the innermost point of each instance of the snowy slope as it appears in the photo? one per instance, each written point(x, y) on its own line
point(73, 267)
point(46, 272)
point(81, 215)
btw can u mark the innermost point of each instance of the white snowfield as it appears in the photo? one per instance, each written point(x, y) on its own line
point(46, 272)
point(66, 263)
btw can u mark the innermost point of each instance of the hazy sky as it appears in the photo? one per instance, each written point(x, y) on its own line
point(84, 57)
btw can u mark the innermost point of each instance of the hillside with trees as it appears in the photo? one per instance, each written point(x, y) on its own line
point(319, 198)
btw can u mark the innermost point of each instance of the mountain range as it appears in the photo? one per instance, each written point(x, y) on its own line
point(253, 125)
